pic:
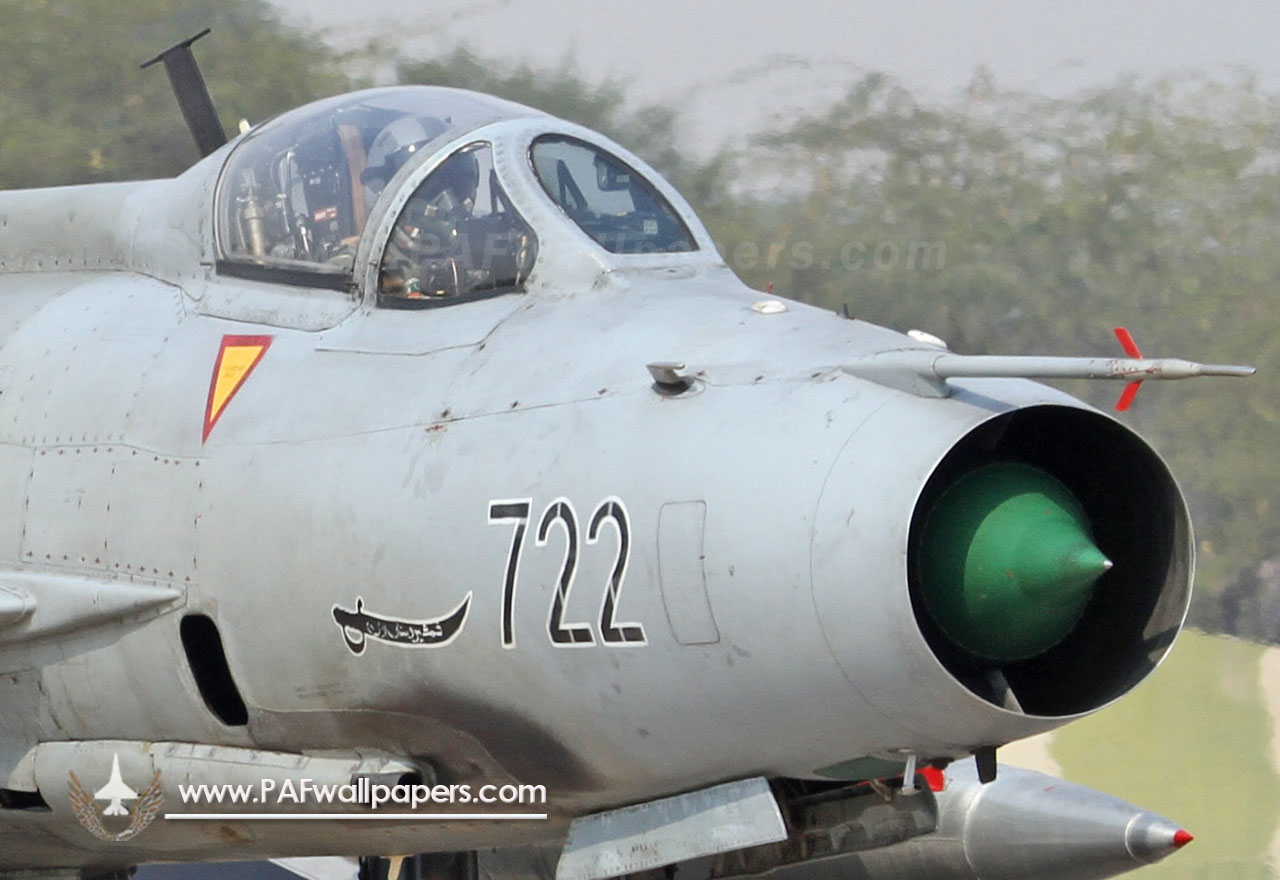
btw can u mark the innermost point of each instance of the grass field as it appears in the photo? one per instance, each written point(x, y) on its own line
point(1197, 742)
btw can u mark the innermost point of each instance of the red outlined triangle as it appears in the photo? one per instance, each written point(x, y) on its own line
point(237, 357)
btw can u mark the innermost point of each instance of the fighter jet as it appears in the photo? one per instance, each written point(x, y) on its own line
point(413, 465)
point(115, 791)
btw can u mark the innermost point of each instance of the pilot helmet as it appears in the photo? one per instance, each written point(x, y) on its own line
point(394, 145)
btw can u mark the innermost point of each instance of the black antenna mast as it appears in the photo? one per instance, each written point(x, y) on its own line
point(193, 94)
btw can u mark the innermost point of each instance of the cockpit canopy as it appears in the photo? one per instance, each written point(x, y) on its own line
point(297, 194)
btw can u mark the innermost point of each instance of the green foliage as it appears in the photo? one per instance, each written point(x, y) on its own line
point(76, 109)
point(1018, 224)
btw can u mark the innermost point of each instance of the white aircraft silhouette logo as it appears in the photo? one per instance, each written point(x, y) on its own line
point(116, 791)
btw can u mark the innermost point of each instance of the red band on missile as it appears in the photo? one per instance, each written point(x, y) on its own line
point(934, 777)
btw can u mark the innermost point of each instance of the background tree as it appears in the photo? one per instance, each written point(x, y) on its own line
point(76, 109)
point(1020, 224)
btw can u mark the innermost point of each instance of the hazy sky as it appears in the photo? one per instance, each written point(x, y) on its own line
point(723, 60)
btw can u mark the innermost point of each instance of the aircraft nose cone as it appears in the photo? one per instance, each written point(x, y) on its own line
point(1008, 564)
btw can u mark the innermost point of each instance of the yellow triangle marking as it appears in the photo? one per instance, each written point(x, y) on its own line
point(236, 360)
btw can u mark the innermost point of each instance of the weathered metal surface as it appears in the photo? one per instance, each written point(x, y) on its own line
point(714, 820)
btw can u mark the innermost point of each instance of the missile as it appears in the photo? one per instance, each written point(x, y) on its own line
point(1019, 826)
point(1024, 824)
point(1027, 824)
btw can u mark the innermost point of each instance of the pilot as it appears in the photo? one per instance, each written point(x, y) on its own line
point(393, 146)
point(428, 255)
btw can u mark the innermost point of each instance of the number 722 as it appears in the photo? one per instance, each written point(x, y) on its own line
point(560, 513)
